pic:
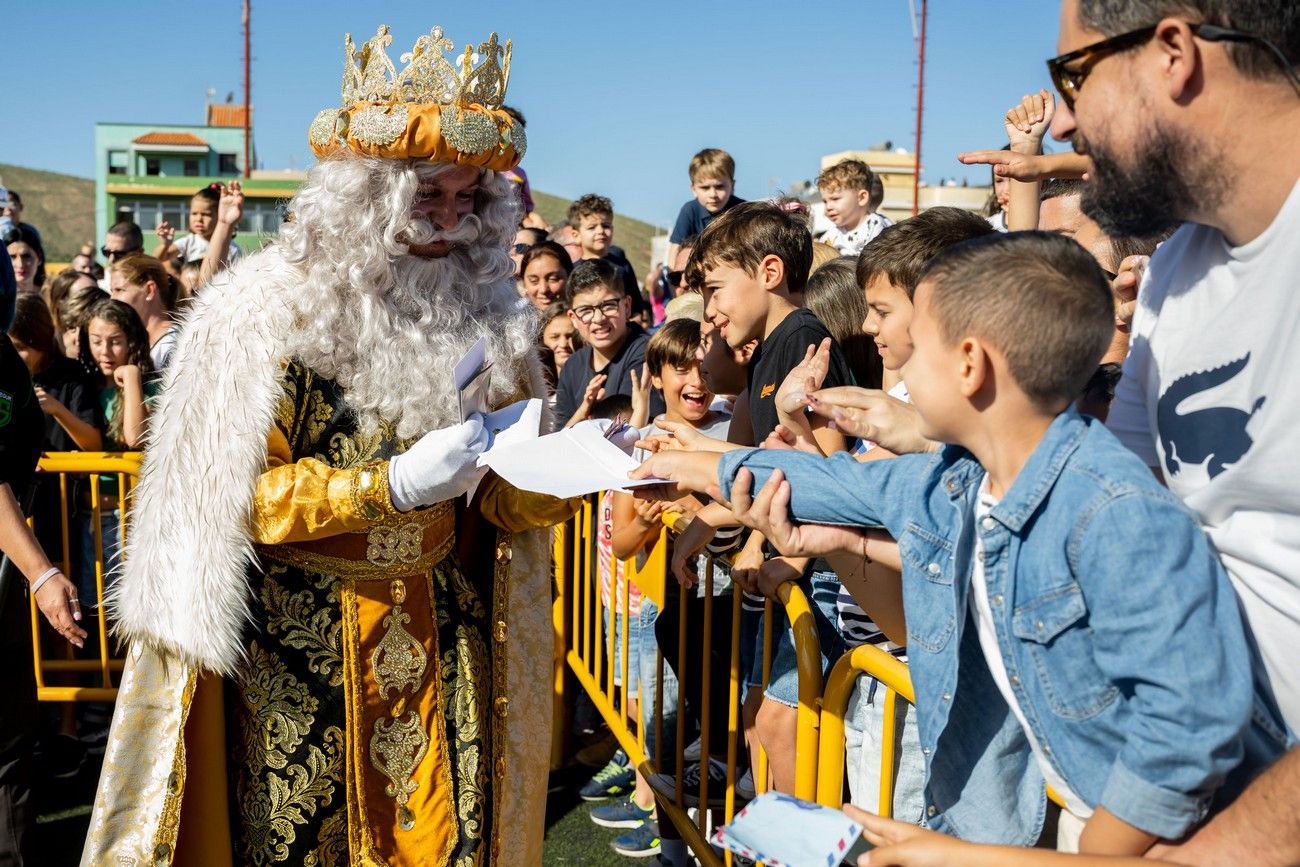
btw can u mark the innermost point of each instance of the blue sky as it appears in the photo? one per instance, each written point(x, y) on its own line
point(618, 95)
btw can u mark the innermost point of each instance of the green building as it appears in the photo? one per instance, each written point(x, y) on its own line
point(149, 172)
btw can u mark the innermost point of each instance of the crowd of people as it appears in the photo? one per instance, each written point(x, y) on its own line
point(1000, 447)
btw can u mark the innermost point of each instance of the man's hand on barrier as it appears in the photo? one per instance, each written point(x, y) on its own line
point(687, 547)
point(775, 572)
point(768, 511)
point(58, 601)
point(748, 561)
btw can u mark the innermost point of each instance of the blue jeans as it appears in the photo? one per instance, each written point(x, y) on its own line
point(864, 720)
point(633, 649)
point(822, 589)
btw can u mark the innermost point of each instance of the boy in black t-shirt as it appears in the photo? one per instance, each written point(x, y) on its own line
point(754, 258)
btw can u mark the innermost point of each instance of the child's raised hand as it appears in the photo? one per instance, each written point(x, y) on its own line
point(230, 208)
point(1028, 121)
point(1125, 289)
point(641, 385)
point(166, 234)
point(804, 378)
point(595, 390)
point(126, 373)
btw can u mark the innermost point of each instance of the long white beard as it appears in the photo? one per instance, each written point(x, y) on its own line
point(392, 352)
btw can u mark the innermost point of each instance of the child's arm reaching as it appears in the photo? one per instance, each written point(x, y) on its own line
point(637, 523)
point(1106, 834)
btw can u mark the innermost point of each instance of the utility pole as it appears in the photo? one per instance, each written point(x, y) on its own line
point(248, 106)
point(920, 101)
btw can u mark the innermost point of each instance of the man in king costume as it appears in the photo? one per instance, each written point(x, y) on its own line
point(333, 657)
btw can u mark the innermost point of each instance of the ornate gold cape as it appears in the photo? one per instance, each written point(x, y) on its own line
point(181, 602)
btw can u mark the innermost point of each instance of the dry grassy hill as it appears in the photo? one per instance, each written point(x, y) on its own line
point(62, 207)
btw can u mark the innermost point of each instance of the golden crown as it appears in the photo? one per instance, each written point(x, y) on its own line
point(431, 109)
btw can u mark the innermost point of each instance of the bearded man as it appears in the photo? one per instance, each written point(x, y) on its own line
point(306, 590)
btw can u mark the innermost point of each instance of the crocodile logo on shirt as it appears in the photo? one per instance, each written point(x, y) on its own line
point(1214, 436)
point(767, 391)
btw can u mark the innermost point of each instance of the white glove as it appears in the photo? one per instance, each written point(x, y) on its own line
point(440, 466)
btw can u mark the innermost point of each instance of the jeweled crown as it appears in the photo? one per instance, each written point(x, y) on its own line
point(369, 74)
point(438, 108)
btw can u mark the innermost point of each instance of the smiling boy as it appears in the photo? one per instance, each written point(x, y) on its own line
point(713, 185)
point(614, 346)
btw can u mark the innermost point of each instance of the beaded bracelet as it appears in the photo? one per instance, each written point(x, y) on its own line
point(40, 582)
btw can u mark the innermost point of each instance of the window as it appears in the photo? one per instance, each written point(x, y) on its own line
point(152, 166)
point(191, 168)
point(117, 162)
point(228, 164)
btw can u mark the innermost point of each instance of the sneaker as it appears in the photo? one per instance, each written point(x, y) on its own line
point(745, 790)
point(640, 842)
point(666, 784)
point(616, 778)
point(622, 814)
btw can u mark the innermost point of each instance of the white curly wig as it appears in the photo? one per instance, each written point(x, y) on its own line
point(387, 325)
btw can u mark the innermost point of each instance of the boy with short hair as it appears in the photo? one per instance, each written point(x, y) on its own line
point(888, 270)
point(713, 185)
point(592, 218)
point(849, 192)
point(613, 347)
point(1066, 616)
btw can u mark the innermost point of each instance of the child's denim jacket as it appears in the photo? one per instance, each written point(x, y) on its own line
point(1118, 628)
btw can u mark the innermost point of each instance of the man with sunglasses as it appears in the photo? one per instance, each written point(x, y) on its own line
point(123, 239)
point(1189, 112)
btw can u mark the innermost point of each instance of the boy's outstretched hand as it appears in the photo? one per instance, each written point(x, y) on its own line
point(768, 511)
point(903, 844)
point(872, 415)
point(687, 472)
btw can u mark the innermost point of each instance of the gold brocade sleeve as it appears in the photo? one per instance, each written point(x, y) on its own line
point(296, 501)
point(514, 510)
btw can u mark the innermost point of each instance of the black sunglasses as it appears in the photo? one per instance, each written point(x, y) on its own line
point(521, 249)
point(113, 254)
point(675, 278)
point(1068, 82)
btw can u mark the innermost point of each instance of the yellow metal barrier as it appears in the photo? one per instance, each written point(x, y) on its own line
point(894, 677)
point(587, 646)
point(99, 473)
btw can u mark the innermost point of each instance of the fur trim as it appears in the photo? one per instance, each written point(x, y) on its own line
point(183, 590)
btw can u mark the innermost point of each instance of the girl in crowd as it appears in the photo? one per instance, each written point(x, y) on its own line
point(28, 258)
point(558, 334)
point(71, 317)
point(59, 288)
point(543, 270)
point(66, 394)
point(833, 294)
point(119, 346)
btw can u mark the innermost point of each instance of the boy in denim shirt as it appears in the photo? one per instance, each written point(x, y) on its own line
point(1067, 620)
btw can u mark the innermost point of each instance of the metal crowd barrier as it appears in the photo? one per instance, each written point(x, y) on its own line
point(586, 646)
point(83, 480)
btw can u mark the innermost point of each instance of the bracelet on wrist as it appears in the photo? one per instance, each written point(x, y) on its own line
point(40, 582)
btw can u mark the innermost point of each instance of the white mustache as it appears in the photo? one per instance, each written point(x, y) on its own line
point(421, 231)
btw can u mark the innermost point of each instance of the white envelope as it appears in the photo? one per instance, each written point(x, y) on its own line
point(568, 463)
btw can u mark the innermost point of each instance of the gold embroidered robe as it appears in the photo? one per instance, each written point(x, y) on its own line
point(370, 715)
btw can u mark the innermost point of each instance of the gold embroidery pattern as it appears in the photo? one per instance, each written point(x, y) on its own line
point(272, 806)
point(331, 843)
point(390, 545)
point(500, 619)
point(170, 821)
point(466, 686)
point(398, 661)
point(396, 749)
point(302, 626)
point(278, 710)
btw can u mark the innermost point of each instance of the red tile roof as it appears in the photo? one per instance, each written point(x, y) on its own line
point(225, 114)
point(170, 138)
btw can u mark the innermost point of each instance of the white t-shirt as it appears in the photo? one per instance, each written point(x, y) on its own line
point(161, 352)
point(850, 243)
point(999, 221)
point(982, 614)
point(193, 248)
point(1211, 396)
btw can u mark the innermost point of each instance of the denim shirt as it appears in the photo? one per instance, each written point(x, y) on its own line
point(1118, 628)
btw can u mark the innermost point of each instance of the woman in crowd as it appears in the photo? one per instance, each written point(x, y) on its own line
point(558, 334)
point(543, 270)
point(833, 294)
point(28, 259)
point(62, 286)
point(70, 402)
